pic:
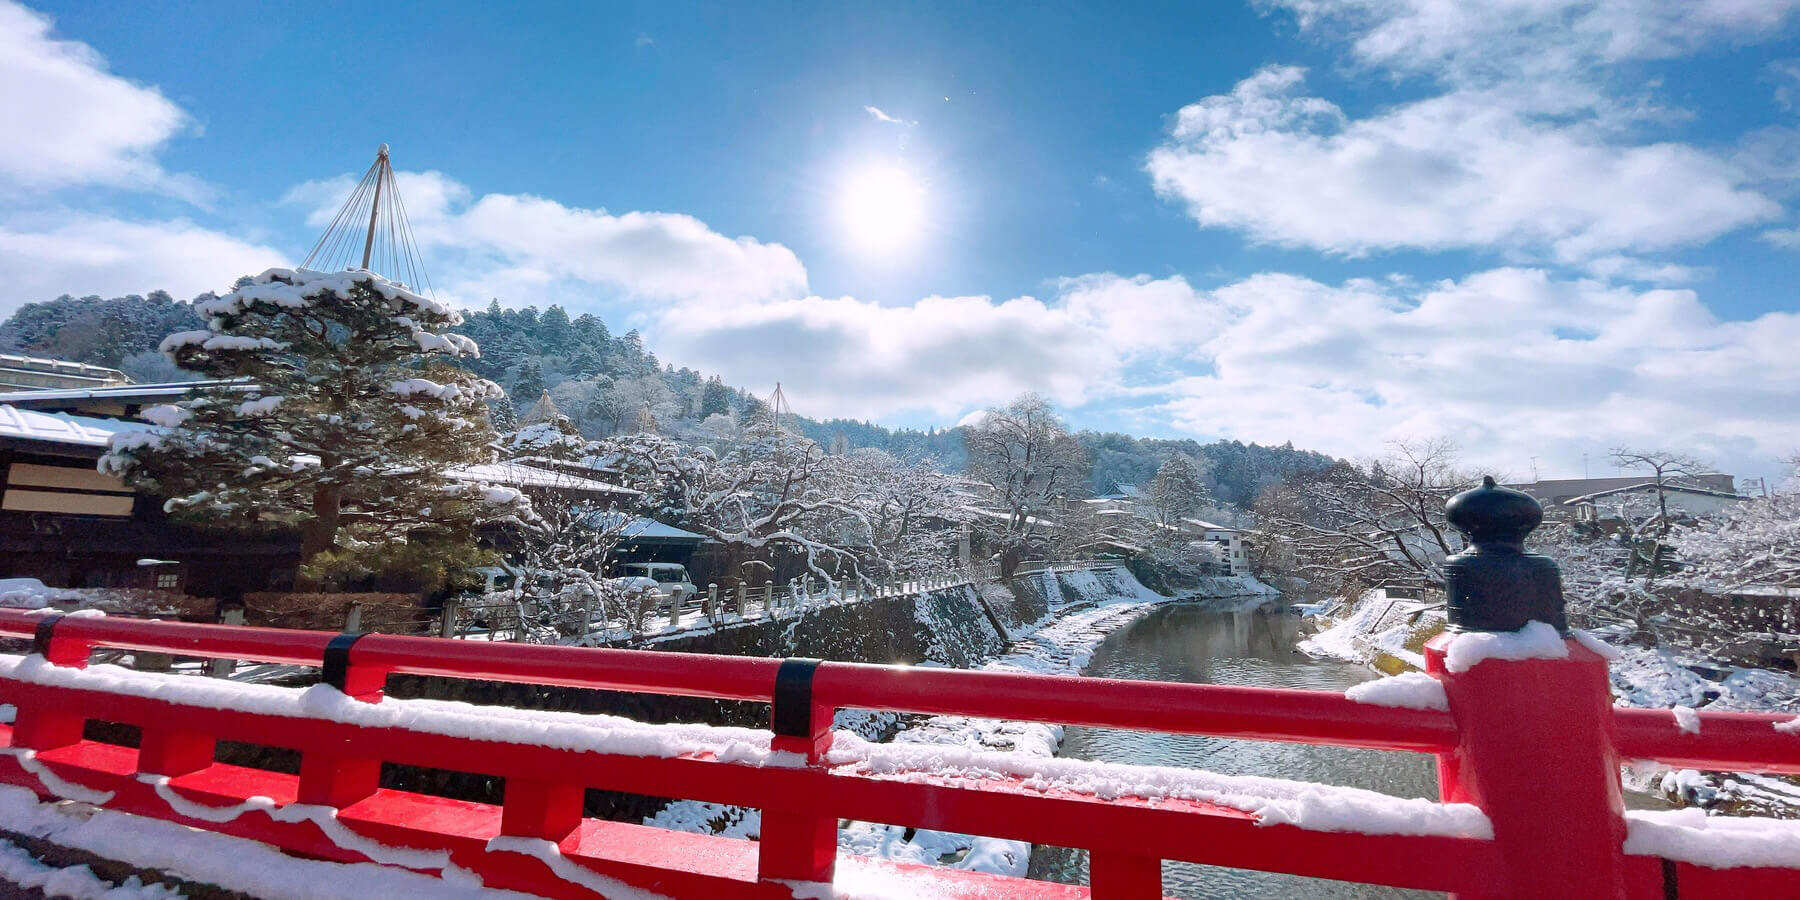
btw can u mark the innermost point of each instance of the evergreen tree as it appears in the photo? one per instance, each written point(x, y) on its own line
point(584, 363)
point(715, 398)
point(555, 334)
point(344, 425)
point(591, 331)
point(1178, 491)
point(528, 385)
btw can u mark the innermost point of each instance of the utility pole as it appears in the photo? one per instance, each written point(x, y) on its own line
point(381, 162)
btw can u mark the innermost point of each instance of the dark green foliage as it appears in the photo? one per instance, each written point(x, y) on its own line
point(95, 331)
point(715, 398)
point(1235, 472)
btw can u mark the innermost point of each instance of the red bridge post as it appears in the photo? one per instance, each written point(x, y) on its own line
point(796, 843)
point(1535, 748)
point(331, 779)
point(38, 726)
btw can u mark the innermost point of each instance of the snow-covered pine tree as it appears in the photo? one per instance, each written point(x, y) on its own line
point(342, 420)
point(528, 385)
point(1179, 490)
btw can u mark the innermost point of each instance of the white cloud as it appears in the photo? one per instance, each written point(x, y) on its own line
point(879, 116)
point(80, 254)
point(853, 358)
point(1512, 38)
point(65, 120)
point(1466, 169)
point(1512, 363)
point(1785, 238)
point(1786, 75)
point(516, 246)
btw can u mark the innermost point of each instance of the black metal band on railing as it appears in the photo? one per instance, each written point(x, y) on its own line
point(336, 666)
point(40, 638)
point(790, 709)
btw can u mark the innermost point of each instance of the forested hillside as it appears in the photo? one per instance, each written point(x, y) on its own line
point(607, 383)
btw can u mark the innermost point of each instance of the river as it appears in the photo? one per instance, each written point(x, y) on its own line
point(1185, 643)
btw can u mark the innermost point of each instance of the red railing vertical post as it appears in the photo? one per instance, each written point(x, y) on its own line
point(797, 843)
point(37, 726)
point(1535, 745)
point(171, 751)
point(550, 810)
point(1116, 877)
point(333, 779)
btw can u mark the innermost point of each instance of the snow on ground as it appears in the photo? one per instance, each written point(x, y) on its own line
point(201, 856)
point(19, 868)
point(1642, 677)
point(1377, 625)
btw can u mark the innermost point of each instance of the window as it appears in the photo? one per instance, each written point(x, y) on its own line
point(168, 581)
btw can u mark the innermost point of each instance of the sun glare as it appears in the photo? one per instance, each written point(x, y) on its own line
point(881, 209)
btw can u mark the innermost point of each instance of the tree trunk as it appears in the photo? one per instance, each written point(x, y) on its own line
point(320, 534)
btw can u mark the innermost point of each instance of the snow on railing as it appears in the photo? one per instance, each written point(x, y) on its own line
point(1529, 748)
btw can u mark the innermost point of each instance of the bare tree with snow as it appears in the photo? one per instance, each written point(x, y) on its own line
point(1350, 527)
point(1025, 455)
point(911, 508)
point(1757, 543)
point(773, 491)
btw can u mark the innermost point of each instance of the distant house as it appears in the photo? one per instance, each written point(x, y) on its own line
point(29, 373)
point(1692, 501)
point(1553, 493)
point(1229, 540)
point(67, 525)
point(112, 401)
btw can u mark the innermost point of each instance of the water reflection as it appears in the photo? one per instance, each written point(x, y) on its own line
point(1184, 643)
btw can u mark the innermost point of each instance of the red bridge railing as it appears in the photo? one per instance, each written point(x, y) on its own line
point(1534, 743)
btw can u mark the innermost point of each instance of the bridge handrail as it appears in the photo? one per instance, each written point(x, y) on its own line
point(1740, 741)
point(341, 761)
point(1319, 717)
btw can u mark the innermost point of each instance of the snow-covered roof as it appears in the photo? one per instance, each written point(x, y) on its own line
point(652, 529)
point(27, 373)
point(1651, 485)
point(1209, 526)
point(61, 428)
point(584, 464)
point(119, 392)
point(516, 475)
point(641, 528)
point(1004, 516)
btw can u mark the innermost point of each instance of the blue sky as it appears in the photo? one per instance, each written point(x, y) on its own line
point(1539, 228)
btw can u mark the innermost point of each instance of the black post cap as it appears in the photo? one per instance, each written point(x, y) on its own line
point(1495, 585)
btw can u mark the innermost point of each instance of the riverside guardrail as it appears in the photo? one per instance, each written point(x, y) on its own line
point(1527, 741)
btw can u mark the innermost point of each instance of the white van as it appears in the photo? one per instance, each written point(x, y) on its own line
point(671, 578)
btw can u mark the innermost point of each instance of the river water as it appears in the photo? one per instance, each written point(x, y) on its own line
point(1185, 643)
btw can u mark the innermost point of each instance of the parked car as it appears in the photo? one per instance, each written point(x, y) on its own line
point(671, 579)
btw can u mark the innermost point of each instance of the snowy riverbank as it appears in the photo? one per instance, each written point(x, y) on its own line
point(1096, 604)
point(1381, 630)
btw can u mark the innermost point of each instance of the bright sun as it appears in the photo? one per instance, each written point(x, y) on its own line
point(881, 209)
